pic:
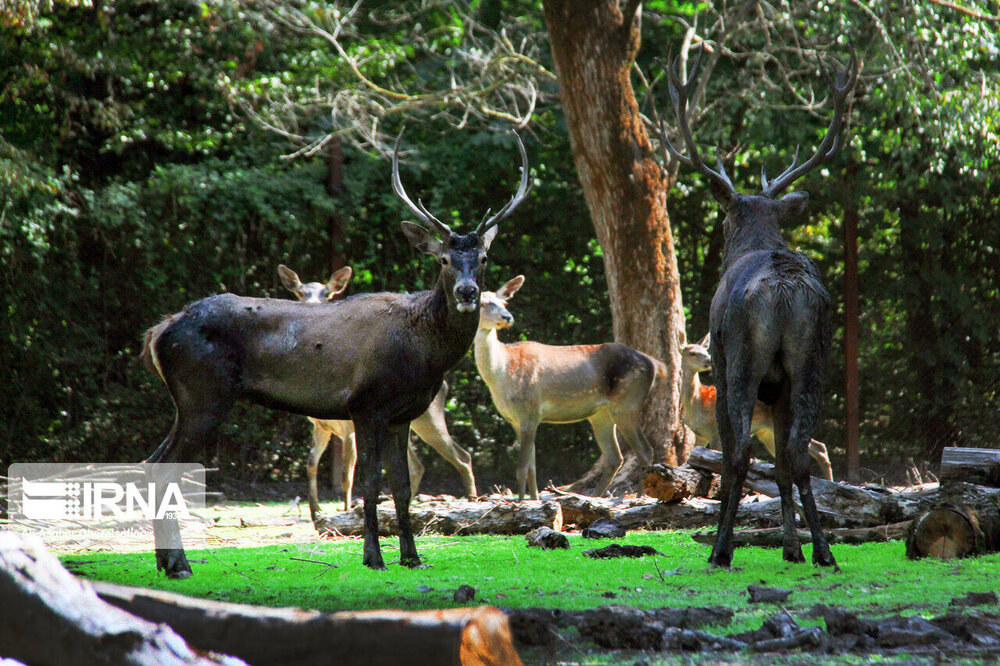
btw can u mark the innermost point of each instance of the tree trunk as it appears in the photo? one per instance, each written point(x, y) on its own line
point(594, 46)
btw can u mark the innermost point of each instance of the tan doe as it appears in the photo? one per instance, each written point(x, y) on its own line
point(532, 383)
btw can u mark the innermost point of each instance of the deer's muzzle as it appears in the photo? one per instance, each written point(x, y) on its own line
point(466, 296)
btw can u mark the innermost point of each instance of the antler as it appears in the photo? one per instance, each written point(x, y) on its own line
point(519, 196)
point(679, 94)
point(841, 83)
point(417, 208)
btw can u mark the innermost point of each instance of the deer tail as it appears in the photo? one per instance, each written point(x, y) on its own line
point(660, 369)
point(149, 355)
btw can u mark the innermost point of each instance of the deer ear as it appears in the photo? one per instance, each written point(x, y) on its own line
point(289, 278)
point(795, 203)
point(488, 237)
point(422, 239)
point(706, 341)
point(507, 291)
point(338, 282)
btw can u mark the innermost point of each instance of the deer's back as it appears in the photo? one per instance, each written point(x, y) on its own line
point(322, 360)
point(569, 383)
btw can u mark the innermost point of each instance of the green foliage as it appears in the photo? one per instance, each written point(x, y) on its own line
point(132, 183)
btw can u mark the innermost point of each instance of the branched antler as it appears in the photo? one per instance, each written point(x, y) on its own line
point(519, 196)
point(680, 96)
point(418, 208)
point(841, 84)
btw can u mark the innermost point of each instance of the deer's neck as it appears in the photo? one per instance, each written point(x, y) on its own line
point(451, 331)
point(690, 387)
point(491, 356)
point(751, 236)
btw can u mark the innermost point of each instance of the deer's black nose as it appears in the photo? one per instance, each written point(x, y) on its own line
point(466, 293)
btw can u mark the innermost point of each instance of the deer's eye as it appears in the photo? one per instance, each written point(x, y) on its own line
point(444, 261)
point(482, 260)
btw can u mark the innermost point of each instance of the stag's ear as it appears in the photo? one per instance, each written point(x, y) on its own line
point(507, 291)
point(488, 237)
point(422, 239)
point(795, 203)
point(289, 278)
point(338, 282)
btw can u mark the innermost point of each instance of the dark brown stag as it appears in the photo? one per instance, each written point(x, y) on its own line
point(770, 326)
point(376, 359)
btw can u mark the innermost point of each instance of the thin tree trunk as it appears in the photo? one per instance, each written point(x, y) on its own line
point(594, 46)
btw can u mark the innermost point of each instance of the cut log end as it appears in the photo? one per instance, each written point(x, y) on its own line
point(943, 533)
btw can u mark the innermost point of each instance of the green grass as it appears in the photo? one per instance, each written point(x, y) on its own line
point(875, 578)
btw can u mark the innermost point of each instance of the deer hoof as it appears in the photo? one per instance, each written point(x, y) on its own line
point(720, 561)
point(826, 560)
point(173, 562)
point(792, 554)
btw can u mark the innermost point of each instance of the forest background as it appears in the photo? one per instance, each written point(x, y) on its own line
point(153, 153)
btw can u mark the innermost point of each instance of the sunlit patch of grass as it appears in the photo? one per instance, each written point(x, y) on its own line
point(875, 578)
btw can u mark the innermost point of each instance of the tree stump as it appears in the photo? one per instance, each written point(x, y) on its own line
point(965, 523)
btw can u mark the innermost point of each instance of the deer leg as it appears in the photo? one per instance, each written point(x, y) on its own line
point(817, 450)
point(398, 473)
point(372, 435)
point(349, 449)
point(611, 454)
point(432, 429)
point(416, 467)
point(791, 551)
point(806, 402)
point(190, 433)
point(734, 427)
point(629, 427)
point(526, 460)
point(321, 438)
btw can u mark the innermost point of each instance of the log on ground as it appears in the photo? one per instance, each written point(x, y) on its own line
point(457, 517)
point(669, 483)
point(771, 537)
point(965, 522)
point(52, 617)
point(969, 465)
point(455, 636)
point(839, 504)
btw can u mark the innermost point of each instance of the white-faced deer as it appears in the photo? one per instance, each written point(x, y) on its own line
point(376, 359)
point(430, 426)
point(532, 383)
point(770, 326)
point(699, 409)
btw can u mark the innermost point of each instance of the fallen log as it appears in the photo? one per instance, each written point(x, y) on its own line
point(477, 636)
point(668, 483)
point(839, 504)
point(965, 522)
point(771, 537)
point(969, 465)
point(456, 517)
point(51, 617)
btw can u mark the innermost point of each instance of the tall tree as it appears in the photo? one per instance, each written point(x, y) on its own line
point(594, 45)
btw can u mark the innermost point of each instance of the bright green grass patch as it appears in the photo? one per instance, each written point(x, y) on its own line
point(875, 578)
